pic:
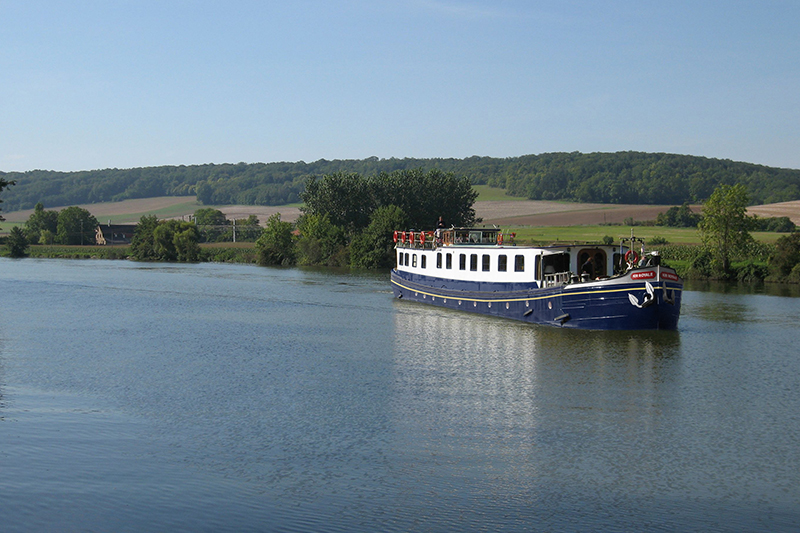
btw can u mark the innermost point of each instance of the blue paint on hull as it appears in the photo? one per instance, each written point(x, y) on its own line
point(599, 305)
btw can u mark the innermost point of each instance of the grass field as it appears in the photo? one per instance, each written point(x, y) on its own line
point(595, 234)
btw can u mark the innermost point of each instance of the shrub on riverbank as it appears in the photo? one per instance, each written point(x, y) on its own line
point(55, 251)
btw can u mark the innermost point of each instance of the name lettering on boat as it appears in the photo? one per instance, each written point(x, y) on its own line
point(670, 276)
point(643, 275)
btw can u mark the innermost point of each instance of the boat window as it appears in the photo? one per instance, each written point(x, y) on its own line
point(502, 263)
point(406, 254)
point(473, 262)
point(555, 263)
point(462, 262)
point(449, 261)
point(519, 263)
point(439, 260)
point(414, 260)
point(485, 265)
point(423, 261)
point(537, 267)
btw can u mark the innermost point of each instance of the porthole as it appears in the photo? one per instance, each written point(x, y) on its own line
point(506, 305)
point(549, 305)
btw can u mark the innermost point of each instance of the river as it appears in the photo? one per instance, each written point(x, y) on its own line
point(166, 397)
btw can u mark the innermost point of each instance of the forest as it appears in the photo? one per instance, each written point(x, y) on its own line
point(621, 177)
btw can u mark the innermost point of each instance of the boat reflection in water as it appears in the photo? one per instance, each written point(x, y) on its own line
point(520, 417)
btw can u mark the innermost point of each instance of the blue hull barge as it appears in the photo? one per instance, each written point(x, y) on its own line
point(482, 271)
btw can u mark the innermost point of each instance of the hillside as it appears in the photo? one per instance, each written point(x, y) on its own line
point(499, 212)
point(607, 178)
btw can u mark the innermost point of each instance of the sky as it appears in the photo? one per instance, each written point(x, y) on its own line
point(91, 84)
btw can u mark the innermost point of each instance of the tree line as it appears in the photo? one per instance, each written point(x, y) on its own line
point(622, 177)
point(348, 220)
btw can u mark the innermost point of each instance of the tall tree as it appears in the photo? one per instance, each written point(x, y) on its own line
point(175, 240)
point(211, 223)
point(17, 243)
point(374, 247)
point(142, 244)
point(76, 225)
point(41, 221)
point(3, 184)
point(350, 199)
point(276, 244)
point(725, 224)
point(320, 242)
point(786, 256)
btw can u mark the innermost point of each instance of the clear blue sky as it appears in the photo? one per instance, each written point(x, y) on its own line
point(87, 84)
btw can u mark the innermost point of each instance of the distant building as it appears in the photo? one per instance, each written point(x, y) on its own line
point(114, 233)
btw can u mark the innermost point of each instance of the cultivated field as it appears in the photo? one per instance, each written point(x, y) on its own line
point(130, 211)
point(501, 212)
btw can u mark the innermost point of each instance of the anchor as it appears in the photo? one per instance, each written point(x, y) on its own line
point(669, 296)
point(648, 299)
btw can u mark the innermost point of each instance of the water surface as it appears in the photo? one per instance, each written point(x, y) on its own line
point(138, 397)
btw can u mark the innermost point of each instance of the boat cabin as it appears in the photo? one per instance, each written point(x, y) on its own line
point(487, 254)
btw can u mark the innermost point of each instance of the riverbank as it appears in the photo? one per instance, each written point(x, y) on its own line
point(209, 252)
point(690, 261)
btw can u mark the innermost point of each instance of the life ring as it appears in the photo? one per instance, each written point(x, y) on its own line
point(500, 239)
point(403, 237)
point(410, 237)
point(395, 236)
point(422, 237)
point(628, 255)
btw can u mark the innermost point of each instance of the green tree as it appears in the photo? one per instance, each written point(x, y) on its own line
point(321, 242)
point(680, 217)
point(209, 216)
point(374, 247)
point(785, 257)
point(17, 243)
point(344, 197)
point(185, 242)
point(175, 240)
point(143, 244)
point(211, 223)
point(47, 237)
point(76, 225)
point(350, 199)
point(40, 221)
point(275, 246)
point(3, 184)
point(725, 224)
point(204, 191)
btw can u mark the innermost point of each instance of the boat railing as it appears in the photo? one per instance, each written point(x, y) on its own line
point(559, 278)
point(427, 245)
